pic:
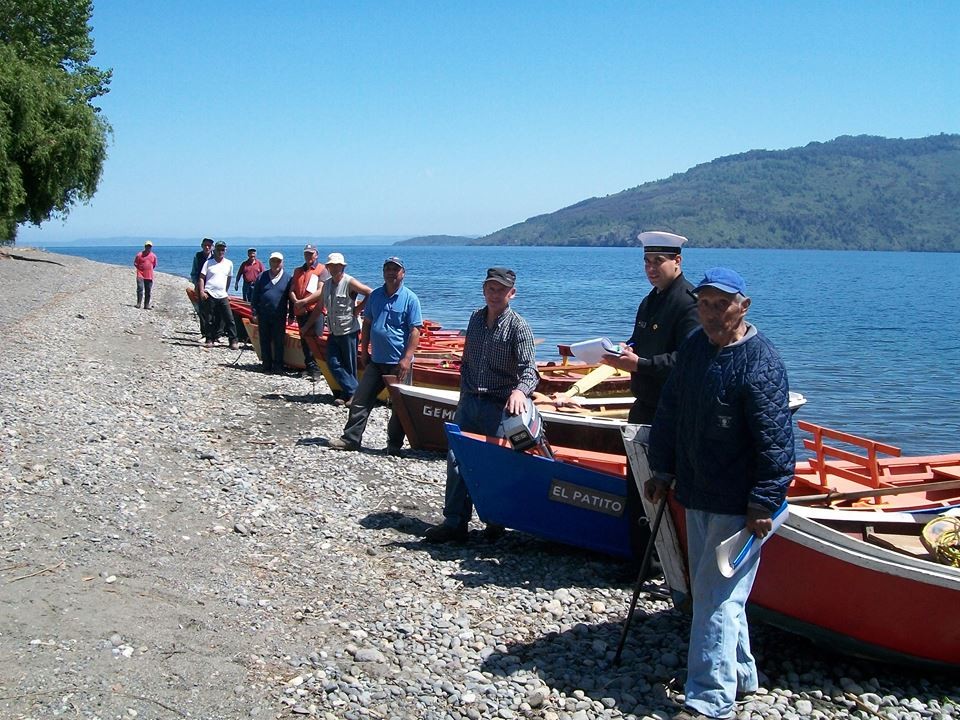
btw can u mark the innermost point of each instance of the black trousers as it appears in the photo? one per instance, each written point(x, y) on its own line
point(639, 527)
point(218, 317)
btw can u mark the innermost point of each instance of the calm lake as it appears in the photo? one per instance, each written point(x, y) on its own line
point(872, 339)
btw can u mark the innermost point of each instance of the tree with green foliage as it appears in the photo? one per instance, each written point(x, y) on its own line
point(53, 140)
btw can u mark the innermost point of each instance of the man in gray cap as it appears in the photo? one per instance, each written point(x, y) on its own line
point(498, 373)
point(723, 429)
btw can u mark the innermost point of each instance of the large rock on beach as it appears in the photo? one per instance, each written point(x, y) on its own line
point(176, 540)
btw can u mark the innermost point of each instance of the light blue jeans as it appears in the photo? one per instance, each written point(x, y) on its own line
point(719, 660)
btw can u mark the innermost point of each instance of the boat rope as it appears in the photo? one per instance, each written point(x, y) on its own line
point(947, 547)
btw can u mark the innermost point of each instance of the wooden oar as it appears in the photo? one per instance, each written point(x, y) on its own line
point(589, 381)
point(876, 492)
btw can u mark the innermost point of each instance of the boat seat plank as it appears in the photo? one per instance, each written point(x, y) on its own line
point(950, 472)
point(904, 544)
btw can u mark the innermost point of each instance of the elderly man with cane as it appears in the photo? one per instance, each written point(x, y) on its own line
point(724, 434)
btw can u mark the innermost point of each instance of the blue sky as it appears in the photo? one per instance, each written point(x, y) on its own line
point(249, 118)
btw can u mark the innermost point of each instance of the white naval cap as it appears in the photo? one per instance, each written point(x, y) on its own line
point(658, 241)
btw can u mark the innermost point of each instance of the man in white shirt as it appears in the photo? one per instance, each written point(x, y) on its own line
point(212, 285)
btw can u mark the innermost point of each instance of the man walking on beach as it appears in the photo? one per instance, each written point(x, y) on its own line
point(204, 254)
point(269, 302)
point(723, 430)
point(215, 276)
point(667, 315)
point(498, 372)
point(391, 323)
point(248, 272)
point(145, 262)
point(307, 280)
point(338, 297)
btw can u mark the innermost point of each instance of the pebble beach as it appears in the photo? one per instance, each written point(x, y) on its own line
point(176, 540)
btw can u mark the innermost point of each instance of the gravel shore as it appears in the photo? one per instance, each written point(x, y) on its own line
point(177, 541)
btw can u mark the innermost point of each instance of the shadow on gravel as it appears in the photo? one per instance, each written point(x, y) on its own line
point(654, 660)
point(515, 560)
point(579, 659)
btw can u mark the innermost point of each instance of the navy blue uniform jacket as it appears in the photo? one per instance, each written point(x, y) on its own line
point(723, 426)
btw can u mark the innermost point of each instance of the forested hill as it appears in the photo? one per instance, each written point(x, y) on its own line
point(852, 193)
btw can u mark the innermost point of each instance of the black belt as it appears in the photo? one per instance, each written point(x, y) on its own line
point(488, 396)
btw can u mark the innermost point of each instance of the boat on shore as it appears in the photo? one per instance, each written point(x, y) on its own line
point(423, 411)
point(594, 425)
point(577, 498)
point(859, 580)
point(554, 377)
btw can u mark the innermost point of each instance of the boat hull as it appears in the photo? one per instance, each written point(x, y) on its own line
point(818, 576)
point(560, 501)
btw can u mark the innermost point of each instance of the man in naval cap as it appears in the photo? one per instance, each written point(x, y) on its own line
point(667, 315)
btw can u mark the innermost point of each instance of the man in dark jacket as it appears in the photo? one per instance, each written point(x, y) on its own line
point(269, 301)
point(667, 315)
point(203, 254)
point(723, 430)
point(664, 319)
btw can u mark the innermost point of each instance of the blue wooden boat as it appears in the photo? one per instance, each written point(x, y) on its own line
point(577, 498)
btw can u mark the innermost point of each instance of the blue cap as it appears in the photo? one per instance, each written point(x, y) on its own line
point(394, 260)
point(725, 279)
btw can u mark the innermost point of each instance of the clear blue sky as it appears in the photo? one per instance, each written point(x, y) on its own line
point(250, 118)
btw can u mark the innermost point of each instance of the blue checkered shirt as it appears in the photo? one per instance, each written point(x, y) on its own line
point(499, 359)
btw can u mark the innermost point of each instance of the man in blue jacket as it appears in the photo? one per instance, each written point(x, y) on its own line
point(723, 432)
point(269, 302)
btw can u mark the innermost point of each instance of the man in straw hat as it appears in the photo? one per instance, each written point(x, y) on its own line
point(338, 300)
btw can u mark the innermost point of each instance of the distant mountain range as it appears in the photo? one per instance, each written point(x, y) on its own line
point(439, 240)
point(274, 241)
point(852, 193)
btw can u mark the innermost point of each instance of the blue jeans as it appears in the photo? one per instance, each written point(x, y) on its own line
point(719, 660)
point(476, 414)
point(342, 361)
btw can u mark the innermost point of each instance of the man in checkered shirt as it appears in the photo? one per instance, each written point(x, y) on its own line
point(498, 373)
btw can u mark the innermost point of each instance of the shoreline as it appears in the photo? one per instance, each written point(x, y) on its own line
point(176, 540)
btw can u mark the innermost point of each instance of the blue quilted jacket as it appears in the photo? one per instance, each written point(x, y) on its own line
point(723, 426)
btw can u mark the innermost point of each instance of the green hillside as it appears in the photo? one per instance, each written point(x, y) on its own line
point(852, 193)
point(437, 240)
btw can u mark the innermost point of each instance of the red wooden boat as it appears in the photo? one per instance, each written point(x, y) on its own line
point(554, 378)
point(858, 580)
point(849, 474)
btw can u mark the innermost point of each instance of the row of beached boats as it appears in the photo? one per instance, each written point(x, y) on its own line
point(853, 565)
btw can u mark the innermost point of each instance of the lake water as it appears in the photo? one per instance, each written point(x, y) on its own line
point(872, 339)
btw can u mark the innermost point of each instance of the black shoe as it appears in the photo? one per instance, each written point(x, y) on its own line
point(341, 444)
point(395, 451)
point(444, 534)
point(493, 532)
